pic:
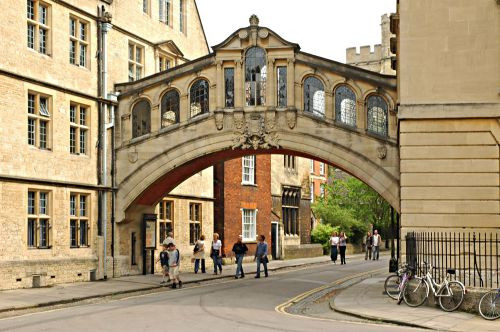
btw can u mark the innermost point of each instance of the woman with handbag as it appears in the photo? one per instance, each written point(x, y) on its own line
point(216, 253)
point(261, 255)
point(342, 247)
point(199, 254)
point(334, 246)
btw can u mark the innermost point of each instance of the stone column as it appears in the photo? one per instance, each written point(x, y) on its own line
point(270, 84)
point(391, 128)
point(329, 112)
point(184, 107)
point(290, 82)
point(155, 118)
point(239, 81)
point(219, 86)
point(360, 115)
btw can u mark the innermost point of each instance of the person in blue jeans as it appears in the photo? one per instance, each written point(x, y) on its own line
point(261, 255)
point(239, 249)
point(216, 253)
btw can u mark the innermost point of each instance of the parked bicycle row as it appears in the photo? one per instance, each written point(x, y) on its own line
point(415, 290)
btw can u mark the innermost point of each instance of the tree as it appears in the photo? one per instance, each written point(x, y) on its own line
point(353, 206)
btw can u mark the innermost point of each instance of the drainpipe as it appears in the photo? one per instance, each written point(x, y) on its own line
point(105, 27)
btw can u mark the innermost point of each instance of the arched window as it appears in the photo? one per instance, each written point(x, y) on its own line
point(255, 76)
point(377, 121)
point(314, 96)
point(141, 119)
point(199, 98)
point(169, 108)
point(345, 105)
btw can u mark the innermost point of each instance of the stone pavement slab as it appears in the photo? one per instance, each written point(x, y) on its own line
point(66, 293)
point(367, 299)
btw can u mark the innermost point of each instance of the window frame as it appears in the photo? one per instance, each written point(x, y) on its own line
point(165, 219)
point(140, 131)
point(183, 16)
point(195, 222)
point(380, 101)
point(37, 219)
point(310, 107)
point(38, 26)
point(229, 87)
point(248, 170)
point(321, 168)
point(195, 94)
point(290, 208)
point(174, 107)
point(290, 163)
point(253, 224)
point(79, 128)
point(79, 42)
point(165, 62)
point(255, 81)
point(137, 66)
point(79, 218)
point(281, 90)
point(345, 92)
point(165, 12)
point(37, 118)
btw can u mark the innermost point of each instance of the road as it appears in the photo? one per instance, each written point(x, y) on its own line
point(236, 305)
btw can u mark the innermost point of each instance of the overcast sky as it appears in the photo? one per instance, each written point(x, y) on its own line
point(322, 27)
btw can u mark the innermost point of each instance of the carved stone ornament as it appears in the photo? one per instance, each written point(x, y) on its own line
point(263, 33)
point(256, 134)
point(133, 156)
point(254, 20)
point(382, 152)
point(291, 119)
point(219, 120)
point(243, 34)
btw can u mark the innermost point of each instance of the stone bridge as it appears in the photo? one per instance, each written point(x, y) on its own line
point(256, 93)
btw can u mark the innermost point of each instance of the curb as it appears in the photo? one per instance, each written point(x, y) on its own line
point(144, 289)
point(332, 306)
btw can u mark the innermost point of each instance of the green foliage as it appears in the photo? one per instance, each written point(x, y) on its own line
point(352, 206)
point(321, 234)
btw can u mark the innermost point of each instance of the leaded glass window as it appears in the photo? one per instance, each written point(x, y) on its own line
point(255, 77)
point(314, 96)
point(229, 86)
point(199, 98)
point(345, 105)
point(290, 202)
point(281, 87)
point(377, 120)
point(141, 119)
point(170, 108)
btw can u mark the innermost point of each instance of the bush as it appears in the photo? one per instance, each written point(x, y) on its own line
point(321, 234)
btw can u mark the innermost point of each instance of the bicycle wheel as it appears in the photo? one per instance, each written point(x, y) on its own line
point(391, 286)
point(489, 305)
point(452, 296)
point(415, 292)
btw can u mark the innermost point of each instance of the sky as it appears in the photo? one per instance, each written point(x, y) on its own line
point(321, 27)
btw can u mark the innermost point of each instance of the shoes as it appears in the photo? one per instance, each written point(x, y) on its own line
point(215, 272)
point(267, 275)
point(180, 284)
point(195, 272)
point(174, 286)
point(242, 276)
point(235, 277)
point(257, 277)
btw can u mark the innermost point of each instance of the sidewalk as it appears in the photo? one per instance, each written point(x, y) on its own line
point(368, 300)
point(19, 299)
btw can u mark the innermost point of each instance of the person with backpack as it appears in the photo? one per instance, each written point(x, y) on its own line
point(174, 259)
point(199, 254)
point(239, 249)
point(163, 259)
point(367, 244)
point(261, 255)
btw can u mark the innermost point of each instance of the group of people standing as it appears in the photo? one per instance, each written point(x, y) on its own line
point(371, 243)
point(338, 243)
point(170, 257)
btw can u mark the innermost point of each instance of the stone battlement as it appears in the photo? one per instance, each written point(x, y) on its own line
point(365, 54)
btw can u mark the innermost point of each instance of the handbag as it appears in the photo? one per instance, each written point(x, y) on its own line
point(196, 248)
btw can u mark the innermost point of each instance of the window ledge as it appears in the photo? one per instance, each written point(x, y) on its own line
point(248, 184)
point(249, 241)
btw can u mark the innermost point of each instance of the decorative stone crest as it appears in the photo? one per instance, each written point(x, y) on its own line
point(219, 120)
point(256, 132)
point(133, 156)
point(382, 152)
point(254, 20)
point(291, 118)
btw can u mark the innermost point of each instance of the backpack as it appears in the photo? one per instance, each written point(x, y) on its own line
point(196, 248)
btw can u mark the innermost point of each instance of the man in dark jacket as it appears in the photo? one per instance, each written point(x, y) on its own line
point(239, 249)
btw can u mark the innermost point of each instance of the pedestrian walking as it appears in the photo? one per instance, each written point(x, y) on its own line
point(174, 259)
point(367, 244)
point(216, 253)
point(261, 255)
point(334, 246)
point(377, 239)
point(163, 259)
point(169, 239)
point(342, 246)
point(239, 249)
point(199, 254)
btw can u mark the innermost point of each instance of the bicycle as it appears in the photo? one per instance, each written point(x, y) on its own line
point(489, 305)
point(394, 284)
point(450, 293)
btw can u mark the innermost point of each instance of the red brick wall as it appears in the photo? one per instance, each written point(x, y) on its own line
point(238, 196)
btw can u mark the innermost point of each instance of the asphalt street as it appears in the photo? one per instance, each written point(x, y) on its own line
point(230, 305)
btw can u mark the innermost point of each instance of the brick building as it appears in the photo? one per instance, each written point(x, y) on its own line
point(242, 189)
point(318, 175)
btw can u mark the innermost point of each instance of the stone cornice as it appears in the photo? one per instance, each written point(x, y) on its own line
point(449, 111)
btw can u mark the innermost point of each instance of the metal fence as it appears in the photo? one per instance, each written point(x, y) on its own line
point(474, 256)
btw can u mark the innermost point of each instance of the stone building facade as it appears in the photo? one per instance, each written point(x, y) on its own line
point(449, 115)
point(318, 177)
point(243, 201)
point(58, 68)
point(381, 60)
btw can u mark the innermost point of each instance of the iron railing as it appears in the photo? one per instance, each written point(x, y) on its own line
point(474, 256)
